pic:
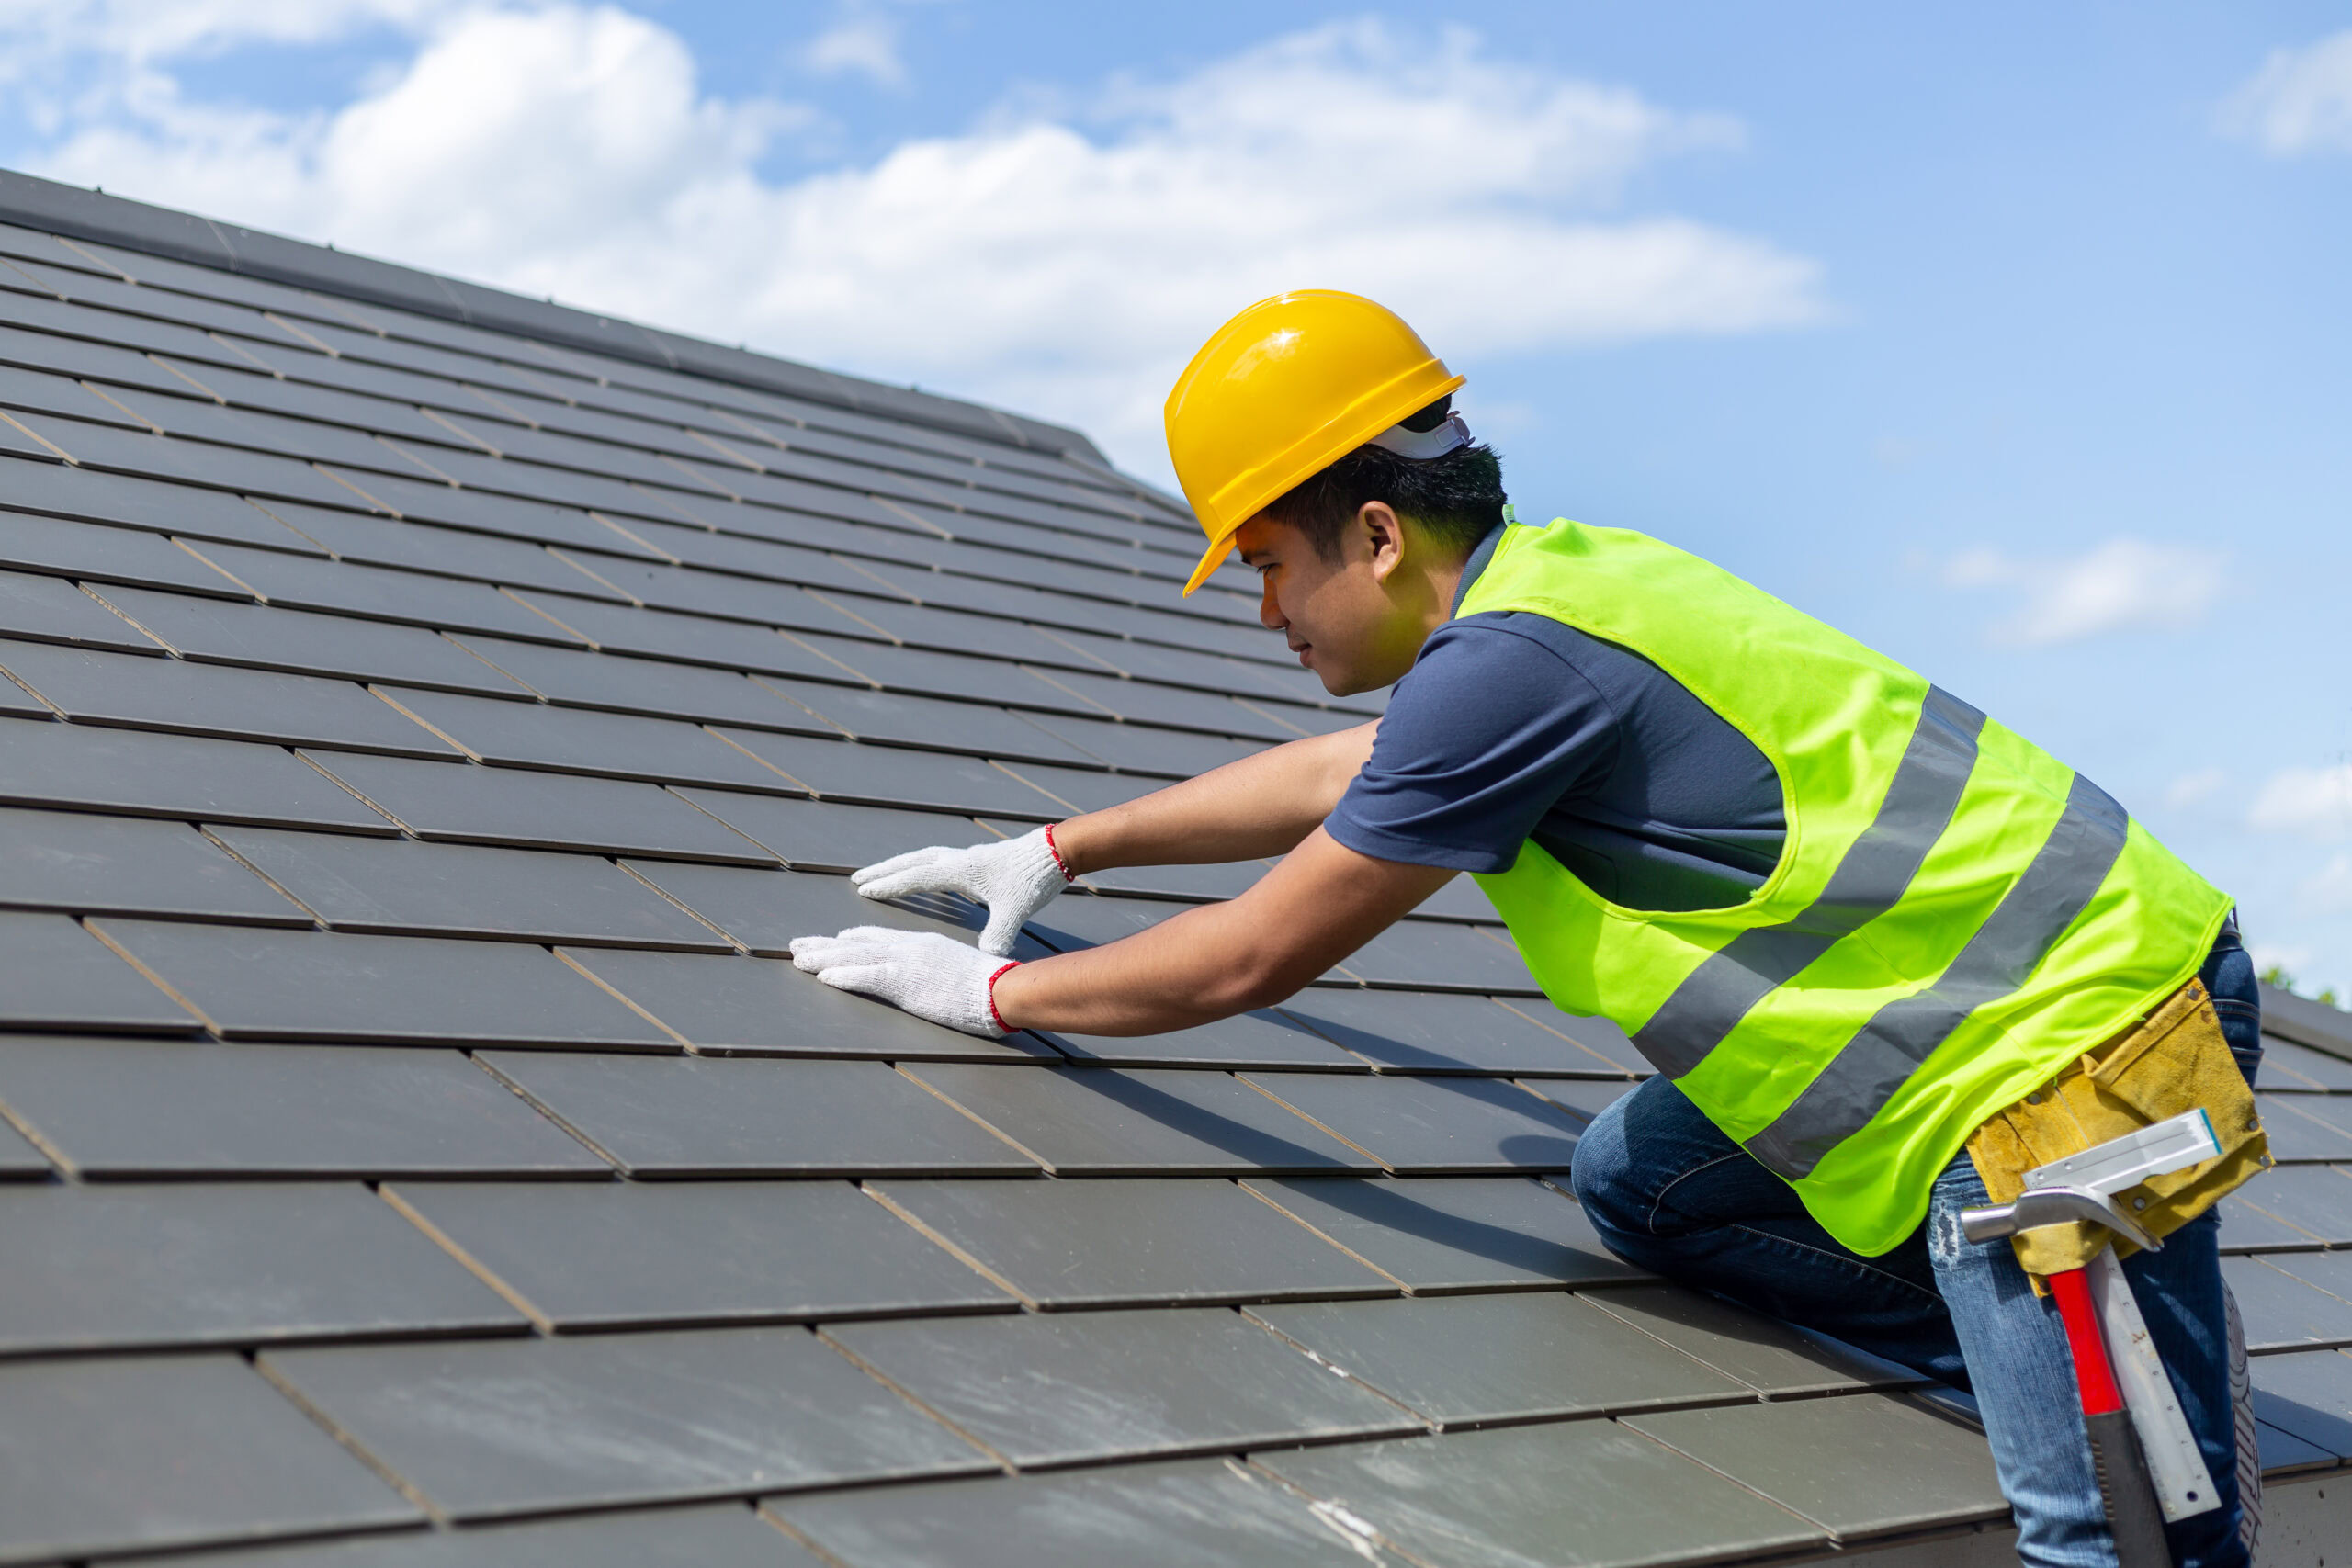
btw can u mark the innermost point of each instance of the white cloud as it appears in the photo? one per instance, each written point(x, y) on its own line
point(2301, 101)
point(2194, 788)
point(862, 45)
point(2329, 891)
point(2313, 801)
point(2123, 584)
point(1063, 263)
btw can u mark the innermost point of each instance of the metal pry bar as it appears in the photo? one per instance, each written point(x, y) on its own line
point(2154, 1150)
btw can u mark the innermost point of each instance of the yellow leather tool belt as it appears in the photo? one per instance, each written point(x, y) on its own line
point(2173, 1061)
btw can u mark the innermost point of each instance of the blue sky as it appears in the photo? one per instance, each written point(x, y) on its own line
point(2012, 339)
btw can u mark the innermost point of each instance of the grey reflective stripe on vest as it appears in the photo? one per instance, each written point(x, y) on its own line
point(1870, 877)
point(2037, 909)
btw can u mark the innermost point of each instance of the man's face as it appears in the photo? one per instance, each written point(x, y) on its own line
point(1338, 615)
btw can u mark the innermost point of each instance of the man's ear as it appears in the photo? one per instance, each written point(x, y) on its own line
point(1383, 533)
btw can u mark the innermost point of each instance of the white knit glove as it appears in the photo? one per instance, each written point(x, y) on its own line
point(928, 974)
point(1014, 877)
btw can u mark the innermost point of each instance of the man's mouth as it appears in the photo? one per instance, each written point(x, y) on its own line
point(1303, 650)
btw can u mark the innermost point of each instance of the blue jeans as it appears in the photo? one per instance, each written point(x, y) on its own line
point(1670, 1193)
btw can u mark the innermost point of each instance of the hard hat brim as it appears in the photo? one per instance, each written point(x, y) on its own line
point(1211, 558)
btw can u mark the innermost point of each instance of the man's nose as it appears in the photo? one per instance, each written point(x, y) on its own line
point(1270, 615)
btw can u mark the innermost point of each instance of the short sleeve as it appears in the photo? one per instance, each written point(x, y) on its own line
point(1485, 734)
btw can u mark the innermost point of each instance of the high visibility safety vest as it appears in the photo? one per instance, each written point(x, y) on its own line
point(1955, 916)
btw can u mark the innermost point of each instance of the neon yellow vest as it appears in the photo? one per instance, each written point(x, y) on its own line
point(1955, 914)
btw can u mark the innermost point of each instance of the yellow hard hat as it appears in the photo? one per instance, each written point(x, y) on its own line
point(1281, 392)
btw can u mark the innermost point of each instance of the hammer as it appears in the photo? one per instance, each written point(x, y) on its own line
point(2146, 1458)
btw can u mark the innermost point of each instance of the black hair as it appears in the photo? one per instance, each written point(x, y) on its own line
point(1457, 498)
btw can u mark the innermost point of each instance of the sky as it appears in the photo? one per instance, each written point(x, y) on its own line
point(2012, 339)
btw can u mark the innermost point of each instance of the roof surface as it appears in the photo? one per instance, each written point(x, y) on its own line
point(431, 711)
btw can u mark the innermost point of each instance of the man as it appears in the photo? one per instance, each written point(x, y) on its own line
point(1881, 950)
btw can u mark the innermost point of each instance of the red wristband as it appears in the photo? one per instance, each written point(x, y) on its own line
point(993, 1014)
point(1055, 850)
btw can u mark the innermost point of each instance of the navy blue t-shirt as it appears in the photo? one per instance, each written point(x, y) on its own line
point(1512, 726)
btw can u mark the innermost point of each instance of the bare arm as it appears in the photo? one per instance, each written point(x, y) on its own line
point(1320, 904)
point(1259, 805)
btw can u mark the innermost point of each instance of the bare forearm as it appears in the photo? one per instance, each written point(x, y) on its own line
point(1321, 904)
point(1259, 805)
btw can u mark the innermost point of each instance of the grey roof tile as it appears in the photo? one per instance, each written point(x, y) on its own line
point(93, 687)
point(2246, 1228)
point(1143, 1243)
point(2281, 1450)
point(764, 911)
point(407, 888)
point(952, 631)
point(960, 677)
point(638, 1254)
point(655, 687)
point(1582, 1099)
point(692, 639)
point(18, 702)
point(425, 500)
point(1433, 1033)
point(714, 1535)
point(1444, 1235)
point(1264, 1041)
point(1205, 883)
point(89, 552)
point(1566, 1495)
point(122, 1110)
point(1076, 1388)
point(51, 609)
point(889, 775)
point(891, 718)
point(1429, 955)
point(103, 1457)
point(2329, 1271)
point(830, 836)
point(2287, 1064)
point(2307, 1394)
point(1433, 1126)
point(1765, 1354)
point(521, 807)
point(724, 596)
point(145, 455)
point(257, 984)
point(1175, 1514)
point(174, 775)
point(584, 740)
point(1075, 789)
point(1145, 1122)
point(448, 552)
point(87, 864)
point(2282, 1311)
point(1145, 748)
point(621, 1418)
point(1488, 1359)
point(219, 632)
point(1856, 1467)
point(128, 1268)
point(2306, 1022)
point(2298, 1135)
point(61, 977)
point(698, 1117)
point(1173, 707)
point(1598, 1036)
point(762, 1007)
point(725, 565)
point(387, 593)
point(2315, 1199)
